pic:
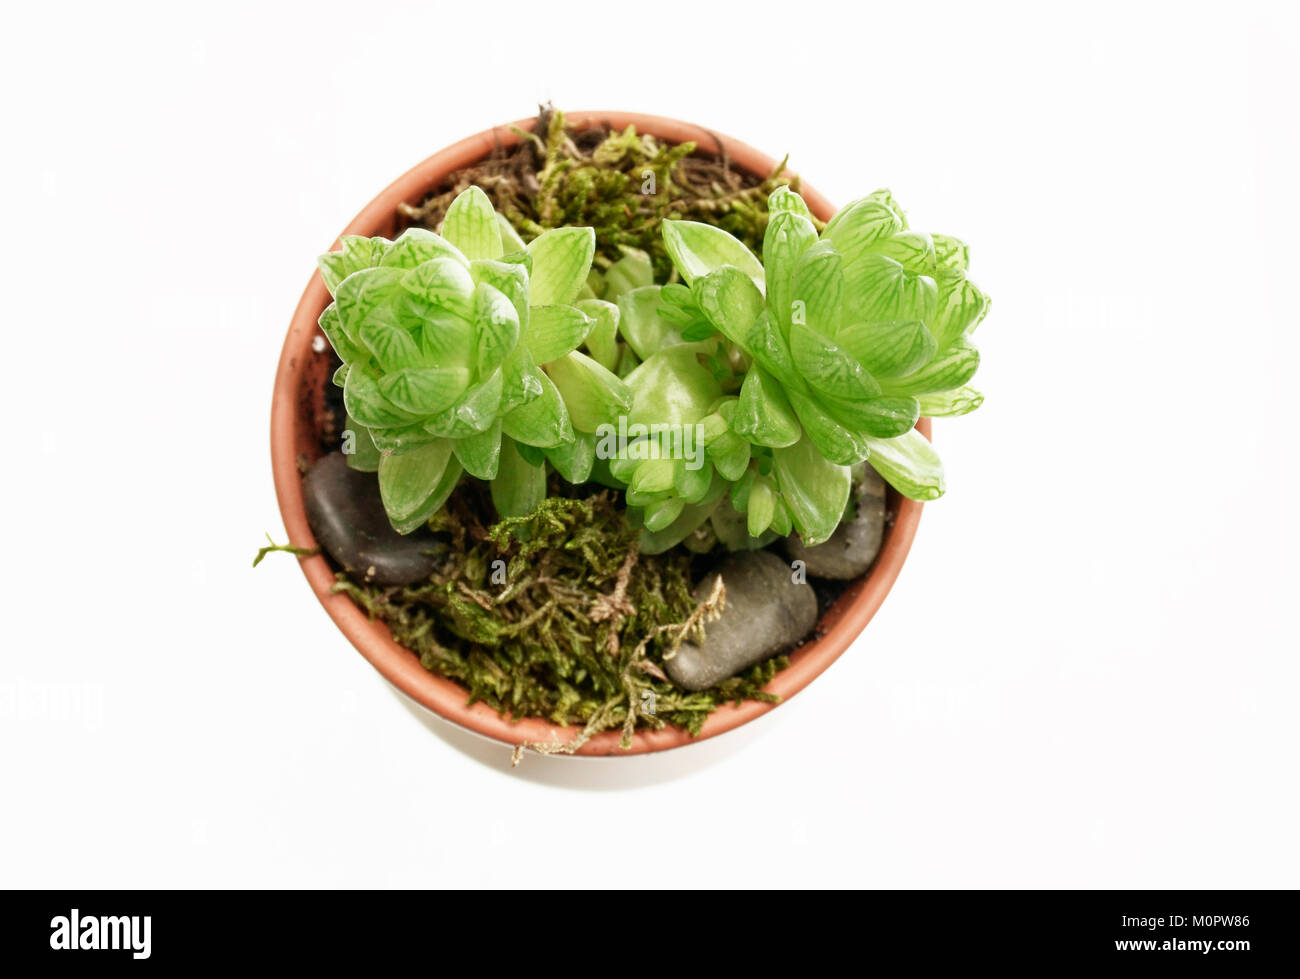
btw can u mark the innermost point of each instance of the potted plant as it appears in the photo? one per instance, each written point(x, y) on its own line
point(614, 434)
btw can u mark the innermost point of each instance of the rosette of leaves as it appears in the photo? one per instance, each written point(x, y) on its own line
point(460, 356)
point(849, 336)
point(678, 391)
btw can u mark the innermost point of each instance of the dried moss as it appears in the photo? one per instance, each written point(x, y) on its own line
point(557, 615)
point(599, 177)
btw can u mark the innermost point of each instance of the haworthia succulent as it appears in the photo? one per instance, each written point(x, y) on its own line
point(446, 342)
point(847, 337)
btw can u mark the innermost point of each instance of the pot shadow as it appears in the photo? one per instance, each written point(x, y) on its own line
point(583, 773)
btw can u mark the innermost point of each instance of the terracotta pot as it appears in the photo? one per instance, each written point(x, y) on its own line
point(298, 411)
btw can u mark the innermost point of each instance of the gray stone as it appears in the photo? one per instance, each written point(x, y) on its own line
point(766, 612)
point(348, 519)
point(848, 553)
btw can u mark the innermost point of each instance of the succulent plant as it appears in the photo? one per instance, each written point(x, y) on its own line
point(460, 356)
point(838, 342)
point(679, 391)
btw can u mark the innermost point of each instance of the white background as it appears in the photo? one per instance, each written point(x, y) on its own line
point(1086, 675)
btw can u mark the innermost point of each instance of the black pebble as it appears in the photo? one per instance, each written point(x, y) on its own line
point(348, 519)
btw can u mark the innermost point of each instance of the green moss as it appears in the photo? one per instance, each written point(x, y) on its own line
point(556, 615)
point(601, 178)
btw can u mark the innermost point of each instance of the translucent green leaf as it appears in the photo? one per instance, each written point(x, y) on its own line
point(817, 289)
point(365, 403)
point(561, 259)
point(424, 390)
point(763, 414)
point(543, 422)
point(520, 257)
point(888, 348)
point(497, 327)
point(477, 408)
point(355, 253)
point(531, 454)
point(622, 467)
point(885, 197)
point(960, 308)
point(914, 250)
point(828, 367)
point(509, 278)
point(442, 282)
point(480, 453)
point(671, 388)
point(698, 249)
point(815, 489)
point(662, 514)
point(952, 368)
point(574, 460)
point(521, 380)
point(693, 476)
point(391, 346)
point(602, 341)
point(784, 199)
point(950, 404)
point(519, 487)
point(730, 454)
point(909, 464)
point(409, 483)
point(772, 351)
point(876, 287)
point(592, 394)
point(713, 425)
point(951, 253)
point(510, 240)
point(692, 517)
point(857, 228)
point(761, 506)
point(883, 417)
point(415, 246)
point(652, 477)
point(389, 440)
point(739, 495)
point(332, 327)
point(445, 339)
point(789, 234)
point(633, 271)
point(628, 361)
point(641, 324)
point(731, 302)
point(689, 320)
point(364, 454)
point(782, 520)
point(832, 440)
point(369, 295)
point(594, 287)
point(554, 331)
point(676, 294)
point(471, 225)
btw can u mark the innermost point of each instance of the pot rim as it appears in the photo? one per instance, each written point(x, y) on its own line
point(837, 629)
